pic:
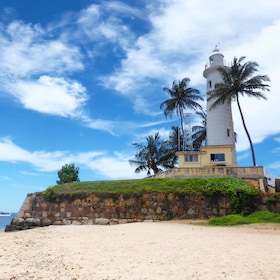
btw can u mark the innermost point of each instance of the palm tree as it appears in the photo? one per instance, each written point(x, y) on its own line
point(199, 131)
point(238, 80)
point(175, 138)
point(181, 98)
point(157, 155)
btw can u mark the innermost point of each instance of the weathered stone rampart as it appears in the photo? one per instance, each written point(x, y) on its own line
point(105, 209)
point(113, 209)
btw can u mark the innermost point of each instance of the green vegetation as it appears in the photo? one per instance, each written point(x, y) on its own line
point(68, 173)
point(237, 219)
point(181, 98)
point(241, 195)
point(157, 155)
point(49, 194)
point(178, 185)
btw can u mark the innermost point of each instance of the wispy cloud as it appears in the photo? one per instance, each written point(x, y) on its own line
point(50, 95)
point(26, 51)
point(111, 166)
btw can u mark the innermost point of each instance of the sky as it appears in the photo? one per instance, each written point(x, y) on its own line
point(82, 80)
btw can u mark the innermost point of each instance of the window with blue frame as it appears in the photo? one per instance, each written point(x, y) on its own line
point(217, 157)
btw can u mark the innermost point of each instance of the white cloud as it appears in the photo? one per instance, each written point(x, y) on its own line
point(25, 50)
point(104, 24)
point(50, 95)
point(113, 166)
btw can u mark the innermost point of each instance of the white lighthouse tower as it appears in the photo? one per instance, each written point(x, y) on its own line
point(219, 129)
point(218, 157)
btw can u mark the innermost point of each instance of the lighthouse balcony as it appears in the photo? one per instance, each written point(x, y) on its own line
point(213, 64)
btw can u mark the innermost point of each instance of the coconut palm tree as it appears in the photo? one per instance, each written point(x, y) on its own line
point(175, 138)
point(181, 98)
point(238, 80)
point(157, 155)
point(199, 131)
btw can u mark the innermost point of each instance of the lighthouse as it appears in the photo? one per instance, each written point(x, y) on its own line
point(217, 158)
point(219, 128)
point(219, 152)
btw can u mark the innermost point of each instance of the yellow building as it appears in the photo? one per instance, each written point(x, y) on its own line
point(208, 156)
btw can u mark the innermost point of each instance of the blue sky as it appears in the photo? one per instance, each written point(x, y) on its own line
point(81, 80)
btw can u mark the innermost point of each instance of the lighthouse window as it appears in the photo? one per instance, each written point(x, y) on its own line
point(210, 84)
point(217, 157)
point(191, 158)
point(228, 132)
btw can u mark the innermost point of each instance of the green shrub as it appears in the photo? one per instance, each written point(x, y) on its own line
point(237, 219)
point(49, 194)
point(68, 173)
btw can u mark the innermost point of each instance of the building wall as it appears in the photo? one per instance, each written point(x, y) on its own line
point(204, 156)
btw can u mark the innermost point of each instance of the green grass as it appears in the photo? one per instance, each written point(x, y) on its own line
point(179, 185)
point(236, 219)
point(242, 197)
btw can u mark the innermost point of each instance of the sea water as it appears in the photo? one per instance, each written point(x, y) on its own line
point(6, 220)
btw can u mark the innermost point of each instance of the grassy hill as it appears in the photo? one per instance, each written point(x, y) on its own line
point(178, 185)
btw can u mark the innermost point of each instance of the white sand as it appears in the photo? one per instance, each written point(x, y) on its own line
point(161, 250)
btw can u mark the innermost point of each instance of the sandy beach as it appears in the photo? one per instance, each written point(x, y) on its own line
point(148, 250)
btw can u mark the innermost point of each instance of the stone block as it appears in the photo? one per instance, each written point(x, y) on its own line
point(66, 222)
point(114, 222)
point(88, 222)
point(27, 215)
point(123, 221)
point(58, 223)
point(76, 223)
point(46, 222)
point(102, 221)
point(17, 221)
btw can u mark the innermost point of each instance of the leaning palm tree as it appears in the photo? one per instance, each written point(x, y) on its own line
point(238, 80)
point(157, 155)
point(181, 98)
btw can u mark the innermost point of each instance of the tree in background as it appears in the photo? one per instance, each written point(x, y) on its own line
point(156, 155)
point(199, 131)
point(68, 173)
point(181, 98)
point(238, 80)
point(175, 138)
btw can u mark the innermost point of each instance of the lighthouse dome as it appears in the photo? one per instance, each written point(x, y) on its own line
point(216, 58)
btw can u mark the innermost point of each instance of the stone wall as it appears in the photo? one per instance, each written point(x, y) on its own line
point(214, 172)
point(114, 209)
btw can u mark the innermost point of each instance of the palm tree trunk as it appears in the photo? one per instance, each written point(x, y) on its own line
point(247, 132)
point(182, 127)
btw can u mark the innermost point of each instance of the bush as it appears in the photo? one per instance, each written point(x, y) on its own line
point(237, 219)
point(68, 173)
point(49, 194)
